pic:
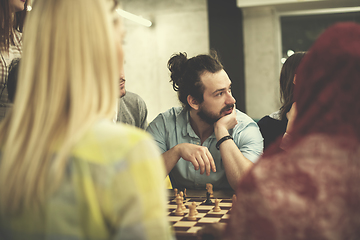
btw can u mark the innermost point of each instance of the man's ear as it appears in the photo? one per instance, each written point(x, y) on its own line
point(193, 102)
point(294, 80)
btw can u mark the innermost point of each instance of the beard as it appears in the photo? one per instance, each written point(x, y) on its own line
point(211, 118)
point(122, 90)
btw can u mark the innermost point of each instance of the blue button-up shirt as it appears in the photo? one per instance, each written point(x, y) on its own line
point(173, 127)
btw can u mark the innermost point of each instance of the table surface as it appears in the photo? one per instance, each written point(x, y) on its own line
point(220, 194)
point(202, 193)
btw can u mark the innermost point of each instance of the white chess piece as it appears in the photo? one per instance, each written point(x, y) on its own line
point(182, 200)
point(196, 211)
point(233, 201)
point(192, 209)
point(217, 208)
point(179, 210)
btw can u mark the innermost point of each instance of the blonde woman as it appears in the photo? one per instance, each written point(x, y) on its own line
point(66, 171)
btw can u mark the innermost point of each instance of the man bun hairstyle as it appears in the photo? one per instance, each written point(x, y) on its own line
point(185, 74)
point(176, 66)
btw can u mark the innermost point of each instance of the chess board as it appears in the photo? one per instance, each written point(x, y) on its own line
point(186, 229)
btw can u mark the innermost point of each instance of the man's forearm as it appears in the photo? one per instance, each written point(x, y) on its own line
point(235, 163)
point(171, 157)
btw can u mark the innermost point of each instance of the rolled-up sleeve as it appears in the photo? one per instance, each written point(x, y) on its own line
point(250, 141)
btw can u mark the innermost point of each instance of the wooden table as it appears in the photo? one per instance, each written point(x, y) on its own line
point(202, 193)
point(185, 229)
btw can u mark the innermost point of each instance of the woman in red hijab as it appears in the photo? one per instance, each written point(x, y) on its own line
point(311, 191)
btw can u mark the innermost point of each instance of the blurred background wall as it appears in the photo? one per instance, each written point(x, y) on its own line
point(178, 26)
point(252, 37)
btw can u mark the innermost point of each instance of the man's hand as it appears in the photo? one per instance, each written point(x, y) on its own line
point(225, 123)
point(199, 156)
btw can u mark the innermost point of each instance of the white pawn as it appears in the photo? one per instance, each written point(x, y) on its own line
point(194, 205)
point(217, 208)
point(233, 200)
point(182, 200)
point(192, 209)
point(179, 210)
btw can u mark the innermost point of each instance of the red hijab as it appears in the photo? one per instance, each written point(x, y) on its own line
point(311, 191)
point(327, 89)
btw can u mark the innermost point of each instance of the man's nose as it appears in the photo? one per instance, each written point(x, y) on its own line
point(230, 99)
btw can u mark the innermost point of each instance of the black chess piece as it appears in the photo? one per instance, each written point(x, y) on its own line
point(208, 200)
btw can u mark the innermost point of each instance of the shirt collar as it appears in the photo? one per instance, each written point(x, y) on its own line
point(187, 129)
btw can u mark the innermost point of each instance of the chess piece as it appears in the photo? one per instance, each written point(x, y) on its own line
point(208, 200)
point(179, 210)
point(182, 200)
point(209, 188)
point(175, 192)
point(192, 213)
point(185, 194)
point(217, 207)
point(233, 200)
point(194, 205)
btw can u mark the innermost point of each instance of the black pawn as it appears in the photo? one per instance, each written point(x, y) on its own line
point(208, 200)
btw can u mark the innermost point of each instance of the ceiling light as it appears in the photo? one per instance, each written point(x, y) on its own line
point(135, 18)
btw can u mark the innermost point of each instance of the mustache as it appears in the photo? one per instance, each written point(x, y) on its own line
point(227, 107)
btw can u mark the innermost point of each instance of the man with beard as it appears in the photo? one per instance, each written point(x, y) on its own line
point(206, 135)
point(132, 109)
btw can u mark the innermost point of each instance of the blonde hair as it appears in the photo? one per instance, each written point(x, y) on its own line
point(67, 81)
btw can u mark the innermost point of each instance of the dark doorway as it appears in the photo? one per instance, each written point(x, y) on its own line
point(226, 38)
